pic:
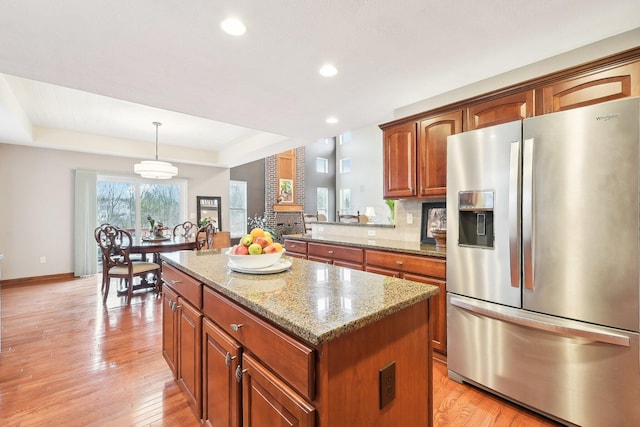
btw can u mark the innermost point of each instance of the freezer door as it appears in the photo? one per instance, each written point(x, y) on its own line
point(584, 374)
point(483, 172)
point(580, 214)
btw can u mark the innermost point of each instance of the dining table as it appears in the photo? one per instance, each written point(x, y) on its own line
point(145, 245)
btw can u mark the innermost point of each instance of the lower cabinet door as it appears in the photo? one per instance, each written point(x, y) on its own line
point(170, 329)
point(221, 397)
point(190, 353)
point(267, 401)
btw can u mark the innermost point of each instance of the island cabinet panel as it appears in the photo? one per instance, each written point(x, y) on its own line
point(505, 109)
point(190, 353)
point(432, 152)
point(591, 88)
point(186, 286)
point(221, 392)
point(296, 248)
point(170, 329)
point(292, 360)
point(399, 157)
point(349, 366)
point(342, 256)
point(267, 401)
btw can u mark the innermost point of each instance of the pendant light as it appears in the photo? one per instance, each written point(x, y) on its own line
point(155, 169)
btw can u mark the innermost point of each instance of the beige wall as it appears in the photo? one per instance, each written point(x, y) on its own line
point(36, 203)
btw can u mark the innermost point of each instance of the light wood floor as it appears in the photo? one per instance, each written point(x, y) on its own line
point(68, 361)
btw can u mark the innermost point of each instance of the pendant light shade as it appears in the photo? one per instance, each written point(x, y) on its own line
point(155, 169)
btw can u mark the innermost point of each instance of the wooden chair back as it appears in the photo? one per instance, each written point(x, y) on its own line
point(349, 218)
point(204, 237)
point(186, 230)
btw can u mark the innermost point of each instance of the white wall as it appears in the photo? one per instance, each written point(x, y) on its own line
point(364, 147)
point(36, 203)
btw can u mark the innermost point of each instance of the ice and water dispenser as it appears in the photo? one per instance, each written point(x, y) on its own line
point(475, 210)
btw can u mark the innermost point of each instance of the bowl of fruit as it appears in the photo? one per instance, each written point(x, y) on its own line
point(256, 250)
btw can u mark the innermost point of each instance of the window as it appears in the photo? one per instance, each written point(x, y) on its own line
point(127, 201)
point(345, 165)
point(238, 208)
point(322, 165)
point(322, 201)
point(345, 200)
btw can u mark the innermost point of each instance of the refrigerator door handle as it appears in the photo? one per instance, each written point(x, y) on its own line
point(506, 316)
point(527, 213)
point(514, 173)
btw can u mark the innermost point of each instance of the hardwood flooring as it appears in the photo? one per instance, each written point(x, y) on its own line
point(66, 360)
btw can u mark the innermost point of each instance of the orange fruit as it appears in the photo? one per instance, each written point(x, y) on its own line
point(278, 246)
point(257, 232)
point(268, 238)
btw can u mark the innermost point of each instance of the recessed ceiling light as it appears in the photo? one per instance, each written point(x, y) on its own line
point(332, 120)
point(233, 26)
point(328, 70)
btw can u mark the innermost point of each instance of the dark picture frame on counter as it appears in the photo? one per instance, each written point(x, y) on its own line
point(211, 209)
point(434, 216)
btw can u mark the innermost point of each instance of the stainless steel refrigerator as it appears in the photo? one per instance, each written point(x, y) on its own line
point(543, 262)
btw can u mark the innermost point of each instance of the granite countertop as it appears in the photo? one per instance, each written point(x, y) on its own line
point(416, 248)
point(313, 301)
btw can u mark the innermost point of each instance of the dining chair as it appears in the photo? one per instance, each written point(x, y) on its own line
point(115, 245)
point(204, 237)
point(349, 218)
point(186, 229)
point(305, 220)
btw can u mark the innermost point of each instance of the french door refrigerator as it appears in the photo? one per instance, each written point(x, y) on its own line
point(543, 262)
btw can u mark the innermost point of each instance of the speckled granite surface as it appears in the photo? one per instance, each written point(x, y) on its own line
point(314, 301)
point(374, 243)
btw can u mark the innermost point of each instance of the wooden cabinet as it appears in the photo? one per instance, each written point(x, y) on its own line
point(221, 391)
point(500, 110)
point(399, 157)
point(419, 269)
point(432, 152)
point(342, 256)
point(296, 248)
point(415, 156)
point(170, 329)
point(591, 88)
point(267, 401)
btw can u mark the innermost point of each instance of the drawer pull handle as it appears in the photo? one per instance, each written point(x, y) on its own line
point(330, 252)
point(236, 326)
point(173, 305)
point(399, 262)
point(239, 372)
point(228, 358)
point(175, 282)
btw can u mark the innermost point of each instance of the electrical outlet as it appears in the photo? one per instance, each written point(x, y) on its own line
point(409, 218)
point(43, 260)
point(387, 377)
point(371, 242)
point(371, 233)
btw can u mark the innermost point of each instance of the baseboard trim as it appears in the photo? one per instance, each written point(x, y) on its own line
point(37, 279)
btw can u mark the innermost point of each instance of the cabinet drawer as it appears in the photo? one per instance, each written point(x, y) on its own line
point(425, 266)
point(295, 246)
point(188, 287)
point(333, 252)
point(291, 360)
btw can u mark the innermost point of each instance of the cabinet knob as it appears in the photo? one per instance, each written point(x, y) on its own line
point(228, 358)
point(239, 372)
point(399, 262)
point(236, 326)
point(330, 252)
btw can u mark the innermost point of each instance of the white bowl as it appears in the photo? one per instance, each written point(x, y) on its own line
point(255, 261)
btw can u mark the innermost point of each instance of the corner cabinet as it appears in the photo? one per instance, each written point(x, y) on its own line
point(415, 156)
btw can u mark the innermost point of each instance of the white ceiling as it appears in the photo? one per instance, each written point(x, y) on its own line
point(110, 68)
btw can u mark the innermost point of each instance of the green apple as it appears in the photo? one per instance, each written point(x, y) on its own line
point(246, 240)
point(255, 249)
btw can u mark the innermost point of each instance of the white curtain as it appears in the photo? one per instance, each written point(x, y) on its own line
point(85, 249)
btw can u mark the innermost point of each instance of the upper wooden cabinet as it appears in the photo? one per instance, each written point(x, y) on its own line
point(432, 152)
point(399, 159)
point(592, 88)
point(501, 110)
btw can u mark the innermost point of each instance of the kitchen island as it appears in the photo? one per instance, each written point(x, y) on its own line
point(315, 345)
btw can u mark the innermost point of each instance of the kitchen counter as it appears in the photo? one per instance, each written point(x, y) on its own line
point(374, 243)
point(313, 301)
